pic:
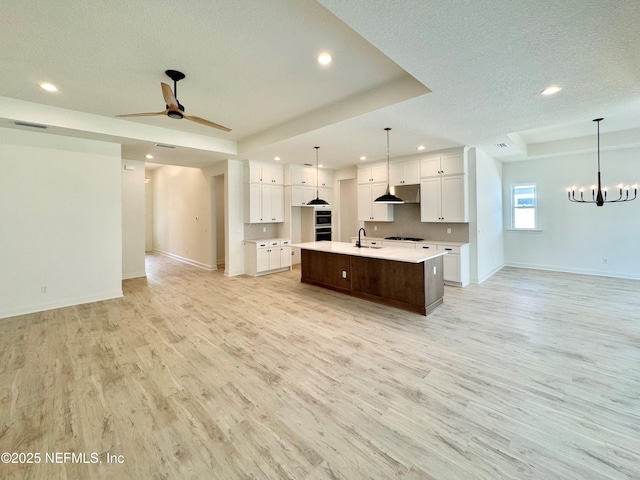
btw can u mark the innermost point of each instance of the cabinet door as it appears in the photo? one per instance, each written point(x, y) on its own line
point(262, 260)
point(285, 256)
point(274, 257)
point(326, 178)
point(395, 174)
point(364, 175)
point(451, 267)
point(379, 172)
point(452, 164)
point(454, 205)
point(364, 203)
point(277, 203)
point(308, 176)
point(272, 203)
point(411, 172)
point(255, 173)
point(381, 212)
point(326, 194)
point(297, 195)
point(430, 166)
point(430, 198)
point(255, 203)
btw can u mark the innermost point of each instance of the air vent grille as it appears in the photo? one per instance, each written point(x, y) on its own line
point(502, 145)
point(164, 145)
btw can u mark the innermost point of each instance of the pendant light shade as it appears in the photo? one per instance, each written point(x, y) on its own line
point(317, 200)
point(388, 197)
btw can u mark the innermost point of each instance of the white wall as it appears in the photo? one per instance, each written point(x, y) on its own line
point(486, 227)
point(148, 195)
point(60, 205)
point(133, 219)
point(577, 237)
point(182, 215)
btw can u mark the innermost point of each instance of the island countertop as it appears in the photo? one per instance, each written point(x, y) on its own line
point(382, 253)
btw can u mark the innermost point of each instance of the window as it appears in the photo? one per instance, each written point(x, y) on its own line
point(523, 206)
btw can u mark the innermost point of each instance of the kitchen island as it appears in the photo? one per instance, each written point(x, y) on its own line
point(408, 279)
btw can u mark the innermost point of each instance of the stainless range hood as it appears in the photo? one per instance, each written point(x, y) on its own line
point(408, 193)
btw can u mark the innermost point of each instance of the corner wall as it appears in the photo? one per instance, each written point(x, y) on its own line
point(61, 228)
point(133, 219)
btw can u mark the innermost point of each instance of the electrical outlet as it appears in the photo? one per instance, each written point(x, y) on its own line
point(605, 261)
point(43, 289)
point(264, 229)
point(344, 274)
point(375, 228)
point(448, 231)
point(434, 269)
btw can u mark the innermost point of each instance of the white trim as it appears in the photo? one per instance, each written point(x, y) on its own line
point(524, 230)
point(188, 261)
point(129, 276)
point(66, 302)
point(492, 273)
point(579, 271)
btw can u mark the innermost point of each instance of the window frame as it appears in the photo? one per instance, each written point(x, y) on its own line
point(514, 207)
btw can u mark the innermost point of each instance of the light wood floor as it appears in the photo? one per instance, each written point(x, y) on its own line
point(531, 375)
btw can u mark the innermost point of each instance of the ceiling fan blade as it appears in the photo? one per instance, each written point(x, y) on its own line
point(169, 97)
point(149, 114)
point(205, 122)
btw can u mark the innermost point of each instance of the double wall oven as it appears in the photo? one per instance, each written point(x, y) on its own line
point(322, 224)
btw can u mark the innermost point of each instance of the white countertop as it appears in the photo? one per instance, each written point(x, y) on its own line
point(382, 253)
point(430, 242)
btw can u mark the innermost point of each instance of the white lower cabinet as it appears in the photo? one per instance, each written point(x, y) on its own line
point(455, 264)
point(267, 256)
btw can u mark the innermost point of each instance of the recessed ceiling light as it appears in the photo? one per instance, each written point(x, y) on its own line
point(324, 59)
point(363, 158)
point(550, 90)
point(277, 159)
point(148, 156)
point(421, 147)
point(49, 87)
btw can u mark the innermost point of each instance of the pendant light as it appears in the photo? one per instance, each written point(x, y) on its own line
point(317, 200)
point(388, 197)
point(599, 196)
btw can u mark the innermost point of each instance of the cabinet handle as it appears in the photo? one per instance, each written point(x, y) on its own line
point(448, 249)
point(426, 247)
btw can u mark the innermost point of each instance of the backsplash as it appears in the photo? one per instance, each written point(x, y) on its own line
point(254, 231)
point(407, 224)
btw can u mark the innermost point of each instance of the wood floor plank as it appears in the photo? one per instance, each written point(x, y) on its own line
point(531, 375)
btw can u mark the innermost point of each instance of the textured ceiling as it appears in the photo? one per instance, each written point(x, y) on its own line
point(251, 65)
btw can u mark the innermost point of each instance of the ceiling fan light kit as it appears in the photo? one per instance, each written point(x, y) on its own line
point(174, 109)
point(599, 195)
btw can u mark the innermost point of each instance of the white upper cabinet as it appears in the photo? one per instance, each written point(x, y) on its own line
point(300, 175)
point(372, 173)
point(449, 163)
point(444, 199)
point(258, 172)
point(404, 173)
point(325, 178)
point(368, 211)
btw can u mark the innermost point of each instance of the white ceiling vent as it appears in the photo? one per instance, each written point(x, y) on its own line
point(164, 145)
point(502, 145)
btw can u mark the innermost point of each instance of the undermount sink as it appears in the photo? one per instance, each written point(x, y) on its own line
point(366, 246)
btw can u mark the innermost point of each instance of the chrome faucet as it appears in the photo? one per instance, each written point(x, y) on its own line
point(359, 243)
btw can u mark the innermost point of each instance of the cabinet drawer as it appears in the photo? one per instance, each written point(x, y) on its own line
point(448, 248)
point(427, 246)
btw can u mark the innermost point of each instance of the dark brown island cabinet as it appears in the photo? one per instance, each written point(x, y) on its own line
point(407, 279)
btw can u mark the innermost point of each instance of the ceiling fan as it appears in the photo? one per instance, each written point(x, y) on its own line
point(174, 107)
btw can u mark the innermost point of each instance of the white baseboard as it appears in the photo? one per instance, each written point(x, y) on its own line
point(579, 271)
point(189, 261)
point(64, 302)
point(492, 273)
point(129, 276)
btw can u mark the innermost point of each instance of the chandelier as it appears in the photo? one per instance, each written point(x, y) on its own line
point(599, 196)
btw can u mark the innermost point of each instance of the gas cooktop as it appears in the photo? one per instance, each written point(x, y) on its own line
point(409, 239)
